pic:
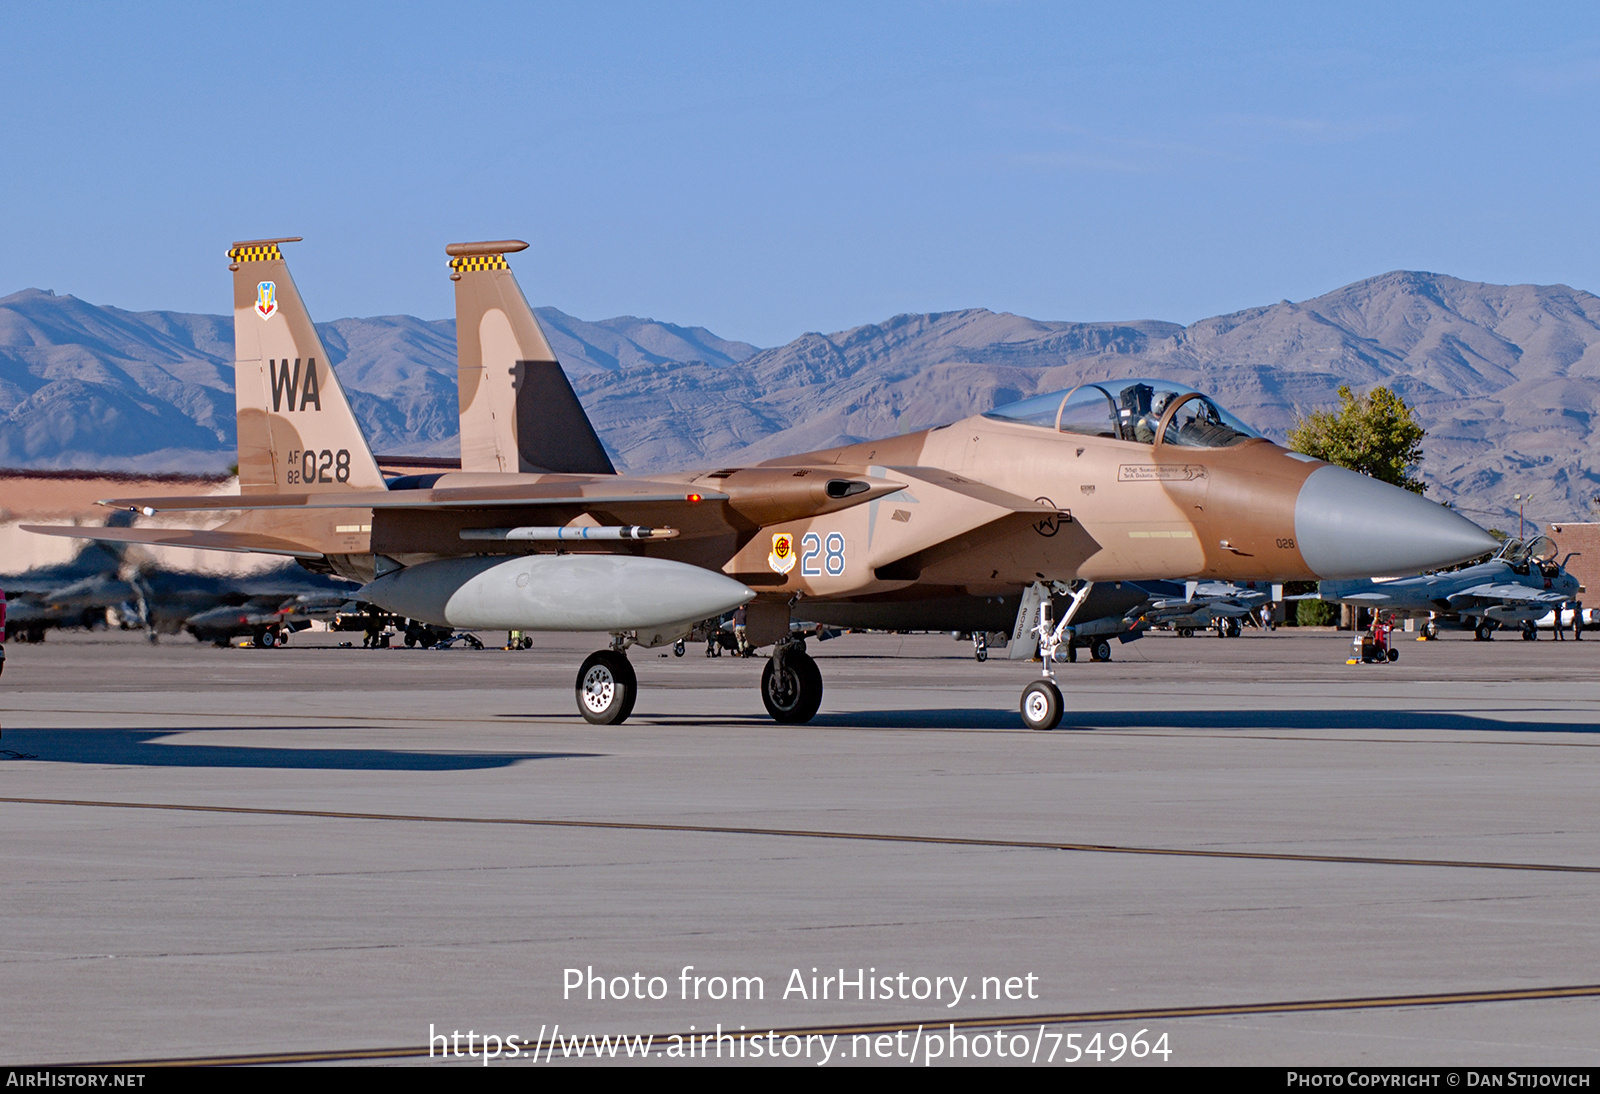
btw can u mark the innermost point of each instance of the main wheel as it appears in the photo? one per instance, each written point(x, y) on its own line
point(678, 648)
point(1529, 633)
point(266, 640)
point(1101, 650)
point(1234, 628)
point(1041, 705)
point(1484, 633)
point(1185, 632)
point(606, 688)
point(792, 694)
point(1430, 629)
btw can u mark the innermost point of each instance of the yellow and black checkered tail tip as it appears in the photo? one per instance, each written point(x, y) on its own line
point(488, 255)
point(259, 250)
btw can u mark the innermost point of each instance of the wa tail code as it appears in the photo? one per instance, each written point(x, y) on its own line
point(285, 380)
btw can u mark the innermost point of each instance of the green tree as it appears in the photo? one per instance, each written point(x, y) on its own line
point(1374, 434)
point(1315, 613)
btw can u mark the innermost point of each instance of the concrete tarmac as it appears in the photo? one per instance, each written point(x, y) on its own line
point(1245, 847)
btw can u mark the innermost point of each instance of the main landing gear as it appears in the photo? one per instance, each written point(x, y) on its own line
point(606, 688)
point(791, 685)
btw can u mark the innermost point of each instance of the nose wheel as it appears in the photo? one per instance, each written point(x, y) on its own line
point(791, 687)
point(606, 688)
point(1041, 705)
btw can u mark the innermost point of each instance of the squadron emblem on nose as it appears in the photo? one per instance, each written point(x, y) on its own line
point(267, 299)
point(782, 557)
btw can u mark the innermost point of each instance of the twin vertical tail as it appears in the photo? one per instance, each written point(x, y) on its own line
point(296, 431)
point(518, 411)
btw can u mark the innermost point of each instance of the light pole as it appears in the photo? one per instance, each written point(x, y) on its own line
point(1520, 499)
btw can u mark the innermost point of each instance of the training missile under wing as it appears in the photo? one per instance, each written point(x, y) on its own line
point(1120, 480)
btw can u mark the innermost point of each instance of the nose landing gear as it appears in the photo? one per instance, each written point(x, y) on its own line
point(1042, 705)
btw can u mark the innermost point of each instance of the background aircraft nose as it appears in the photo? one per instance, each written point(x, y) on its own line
point(1349, 525)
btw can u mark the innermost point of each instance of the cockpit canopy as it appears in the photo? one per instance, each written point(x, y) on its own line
point(1518, 552)
point(1132, 410)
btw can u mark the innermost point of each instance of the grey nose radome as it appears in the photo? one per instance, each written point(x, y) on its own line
point(1349, 525)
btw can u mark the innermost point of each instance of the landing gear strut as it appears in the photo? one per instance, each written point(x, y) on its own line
point(791, 685)
point(606, 688)
point(1041, 700)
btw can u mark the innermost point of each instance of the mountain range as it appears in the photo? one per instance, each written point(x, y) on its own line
point(1506, 380)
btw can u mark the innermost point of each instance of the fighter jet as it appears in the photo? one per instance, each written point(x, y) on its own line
point(1219, 605)
point(75, 593)
point(267, 621)
point(1519, 585)
point(1120, 480)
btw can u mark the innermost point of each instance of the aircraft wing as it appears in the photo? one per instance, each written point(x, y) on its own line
point(749, 497)
point(1506, 593)
point(611, 490)
point(179, 537)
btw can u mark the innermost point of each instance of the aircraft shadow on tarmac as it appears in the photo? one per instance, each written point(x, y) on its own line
point(149, 748)
point(1276, 720)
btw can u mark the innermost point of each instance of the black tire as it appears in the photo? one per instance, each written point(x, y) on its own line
point(1185, 632)
point(1041, 705)
point(1234, 628)
point(1430, 629)
point(1101, 650)
point(794, 695)
point(1529, 633)
point(678, 648)
point(980, 654)
point(1394, 655)
point(1483, 633)
point(606, 688)
point(266, 640)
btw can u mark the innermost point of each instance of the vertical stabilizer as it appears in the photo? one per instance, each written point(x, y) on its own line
point(518, 412)
point(296, 431)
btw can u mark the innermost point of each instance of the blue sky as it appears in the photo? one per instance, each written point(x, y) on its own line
point(764, 170)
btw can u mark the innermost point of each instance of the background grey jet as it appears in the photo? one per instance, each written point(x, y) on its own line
point(1520, 584)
